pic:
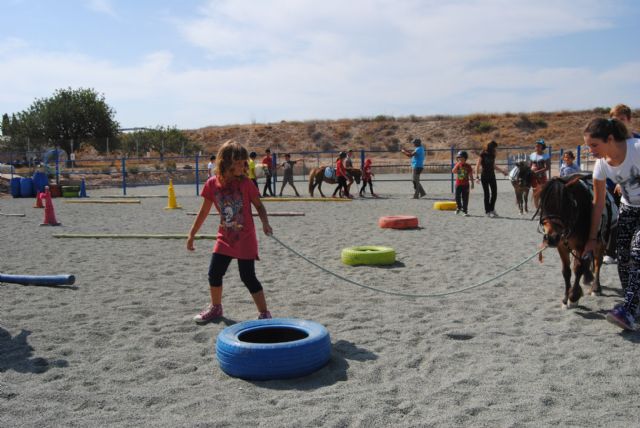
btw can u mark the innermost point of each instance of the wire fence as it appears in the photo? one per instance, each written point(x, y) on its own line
point(130, 171)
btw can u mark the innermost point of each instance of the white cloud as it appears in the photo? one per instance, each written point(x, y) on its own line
point(288, 59)
point(102, 6)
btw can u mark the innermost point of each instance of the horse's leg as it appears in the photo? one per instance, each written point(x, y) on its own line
point(526, 199)
point(519, 196)
point(312, 184)
point(320, 188)
point(575, 292)
point(565, 258)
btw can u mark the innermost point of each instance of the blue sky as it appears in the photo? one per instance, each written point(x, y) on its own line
point(193, 63)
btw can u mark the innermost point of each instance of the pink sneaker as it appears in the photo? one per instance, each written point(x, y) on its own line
point(208, 314)
point(266, 315)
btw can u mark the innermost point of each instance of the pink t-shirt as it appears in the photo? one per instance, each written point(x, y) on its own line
point(236, 233)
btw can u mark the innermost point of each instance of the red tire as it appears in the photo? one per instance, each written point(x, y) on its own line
point(398, 222)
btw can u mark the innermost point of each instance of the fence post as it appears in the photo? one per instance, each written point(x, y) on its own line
point(561, 156)
point(362, 159)
point(124, 177)
point(452, 165)
point(197, 175)
point(550, 152)
point(579, 154)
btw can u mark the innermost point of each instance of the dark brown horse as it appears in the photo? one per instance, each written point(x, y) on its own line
point(317, 176)
point(565, 217)
point(520, 177)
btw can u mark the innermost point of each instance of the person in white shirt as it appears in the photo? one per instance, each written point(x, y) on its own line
point(211, 166)
point(618, 158)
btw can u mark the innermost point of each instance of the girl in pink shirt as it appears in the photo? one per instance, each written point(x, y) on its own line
point(232, 193)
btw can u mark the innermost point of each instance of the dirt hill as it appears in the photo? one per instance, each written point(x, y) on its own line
point(383, 133)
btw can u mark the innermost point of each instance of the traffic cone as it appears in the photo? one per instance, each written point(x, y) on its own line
point(173, 204)
point(49, 213)
point(39, 198)
point(83, 189)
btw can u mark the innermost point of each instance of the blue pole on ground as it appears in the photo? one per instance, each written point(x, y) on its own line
point(362, 159)
point(124, 177)
point(452, 165)
point(197, 175)
point(550, 152)
point(561, 155)
point(578, 155)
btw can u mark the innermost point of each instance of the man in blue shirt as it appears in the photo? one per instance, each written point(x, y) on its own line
point(417, 165)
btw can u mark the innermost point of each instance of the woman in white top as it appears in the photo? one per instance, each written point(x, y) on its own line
point(618, 158)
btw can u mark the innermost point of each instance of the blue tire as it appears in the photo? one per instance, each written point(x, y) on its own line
point(278, 348)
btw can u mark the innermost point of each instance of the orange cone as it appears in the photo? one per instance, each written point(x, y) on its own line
point(38, 203)
point(49, 213)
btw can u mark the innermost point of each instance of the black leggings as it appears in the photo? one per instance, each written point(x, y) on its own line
point(462, 197)
point(220, 263)
point(628, 246)
point(267, 186)
point(364, 184)
point(489, 183)
point(342, 183)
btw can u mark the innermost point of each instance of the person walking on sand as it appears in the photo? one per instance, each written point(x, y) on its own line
point(618, 158)
point(341, 177)
point(267, 165)
point(252, 169)
point(464, 176)
point(287, 173)
point(367, 175)
point(417, 165)
point(485, 173)
point(211, 166)
point(232, 193)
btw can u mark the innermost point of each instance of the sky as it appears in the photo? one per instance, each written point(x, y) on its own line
point(197, 63)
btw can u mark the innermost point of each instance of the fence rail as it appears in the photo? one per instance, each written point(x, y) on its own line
point(123, 172)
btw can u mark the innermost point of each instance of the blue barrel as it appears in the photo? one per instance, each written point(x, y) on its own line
point(40, 180)
point(26, 187)
point(15, 187)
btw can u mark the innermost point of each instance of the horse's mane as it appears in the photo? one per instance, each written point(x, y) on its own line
point(567, 199)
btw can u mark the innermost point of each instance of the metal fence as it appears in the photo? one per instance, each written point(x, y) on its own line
point(128, 171)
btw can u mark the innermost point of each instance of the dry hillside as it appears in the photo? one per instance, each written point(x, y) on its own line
point(560, 130)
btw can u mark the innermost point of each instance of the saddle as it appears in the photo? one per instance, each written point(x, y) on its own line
point(330, 172)
point(610, 212)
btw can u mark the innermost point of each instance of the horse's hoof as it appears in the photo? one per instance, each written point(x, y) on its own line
point(564, 305)
point(595, 293)
point(572, 305)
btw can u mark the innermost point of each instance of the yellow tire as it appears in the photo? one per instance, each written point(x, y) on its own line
point(368, 255)
point(445, 205)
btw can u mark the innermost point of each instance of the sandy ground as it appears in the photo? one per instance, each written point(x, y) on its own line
point(120, 348)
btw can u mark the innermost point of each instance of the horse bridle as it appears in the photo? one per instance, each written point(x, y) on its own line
point(565, 230)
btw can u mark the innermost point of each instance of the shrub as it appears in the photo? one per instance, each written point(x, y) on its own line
point(187, 167)
point(106, 170)
point(527, 125)
point(157, 166)
point(601, 110)
point(393, 145)
point(133, 170)
point(170, 166)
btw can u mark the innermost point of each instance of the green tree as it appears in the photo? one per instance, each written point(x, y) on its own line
point(6, 125)
point(70, 114)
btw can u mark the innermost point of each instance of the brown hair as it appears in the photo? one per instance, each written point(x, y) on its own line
point(229, 152)
point(570, 154)
point(621, 110)
point(601, 129)
point(490, 147)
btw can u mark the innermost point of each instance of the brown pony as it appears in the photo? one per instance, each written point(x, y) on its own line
point(316, 177)
point(565, 218)
point(520, 177)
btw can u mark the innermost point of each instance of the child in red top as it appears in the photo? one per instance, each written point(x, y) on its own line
point(267, 164)
point(341, 176)
point(232, 193)
point(464, 176)
point(366, 178)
